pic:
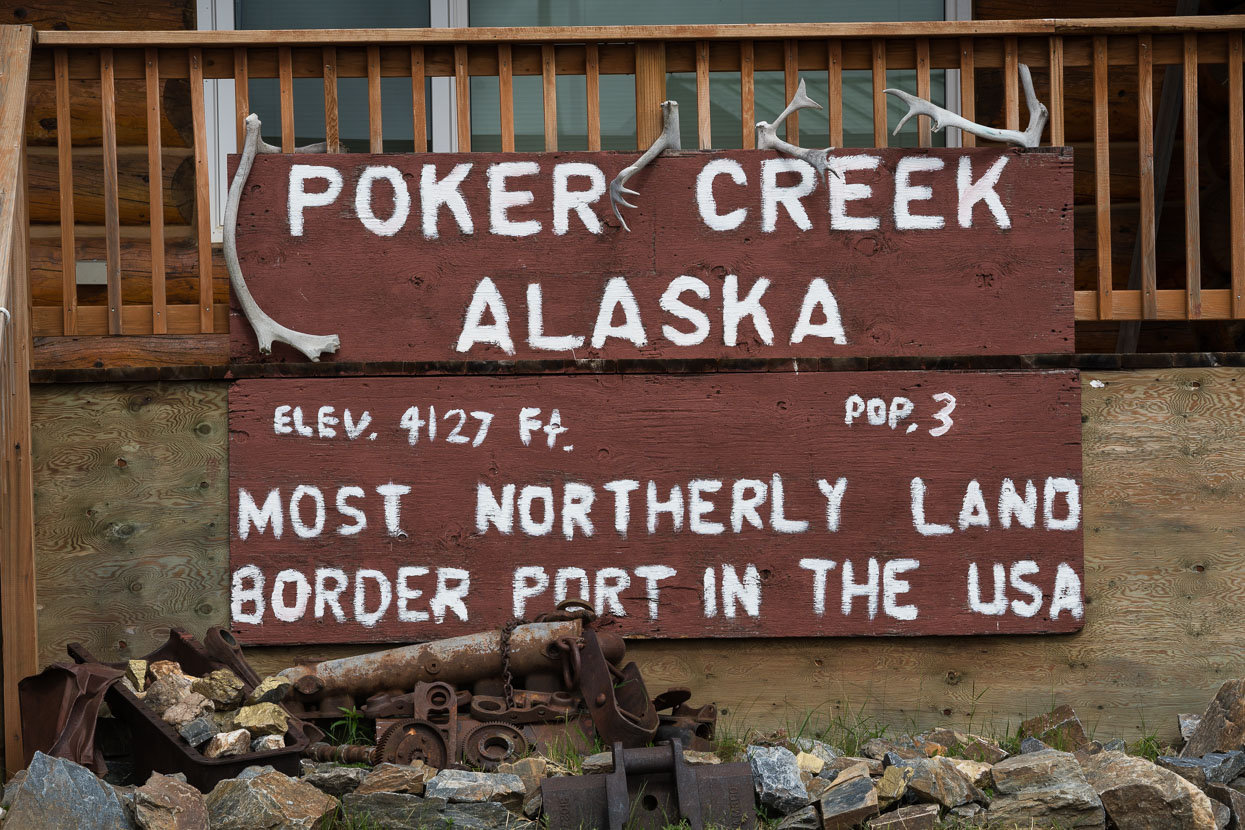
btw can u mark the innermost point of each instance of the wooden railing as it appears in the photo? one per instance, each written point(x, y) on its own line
point(17, 578)
point(1136, 259)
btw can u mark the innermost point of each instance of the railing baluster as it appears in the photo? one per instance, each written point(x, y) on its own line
point(747, 94)
point(1145, 156)
point(285, 69)
point(704, 132)
point(791, 81)
point(924, 137)
point(549, 94)
point(112, 222)
point(968, 89)
point(462, 90)
point(650, 91)
point(375, 134)
point(505, 90)
point(1192, 224)
point(592, 90)
point(419, 115)
point(1236, 174)
point(155, 192)
point(1102, 179)
point(1011, 82)
point(203, 206)
point(1056, 91)
point(879, 97)
point(64, 157)
point(241, 93)
point(332, 115)
point(834, 83)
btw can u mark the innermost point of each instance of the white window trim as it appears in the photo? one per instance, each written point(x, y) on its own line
point(219, 101)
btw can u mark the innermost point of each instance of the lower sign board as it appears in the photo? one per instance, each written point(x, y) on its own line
point(402, 509)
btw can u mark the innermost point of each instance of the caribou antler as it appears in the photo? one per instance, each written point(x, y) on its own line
point(267, 330)
point(767, 135)
point(940, 117)
point(668, 140)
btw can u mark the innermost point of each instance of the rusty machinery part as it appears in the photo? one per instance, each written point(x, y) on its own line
point(411, 740)
point(569, 649)
point(427, 697)
point(342, 754)
point(692, 726)
point(616, 699)
point(525, 707)
point(570, 609)
point(507, 678)
point(652, 787)
point(459, 661)
point(489, 744)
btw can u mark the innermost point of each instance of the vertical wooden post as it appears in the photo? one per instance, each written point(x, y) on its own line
point(1102, 179)
point(419, 115)
point(1011, 82)
point(285, 69)
point(112, 220)
point(704, 132)
point(1056, 91)
point(1145, 156)
point(203, 205)
point(747, 94)
point(1236, 174)
point(592, 90)
point(650, 91)
point(64, 160)
point(791, 82)
point(879, 97)
point(505, 96)
point(155, 192)
point(462, 91)
point(241, 93)
point(549, 94)
point(1192, 192)
point(968, 89)
point(834, 83)
point(924, 136)
point(375, 128)
point(332, 115)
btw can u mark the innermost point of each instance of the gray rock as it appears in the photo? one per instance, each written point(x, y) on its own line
point(1223, 815)
point(879, 748)
point(255, 770)
point(1232, 799)
point(272, 689)
point(11, 787)
point(336, 781)
point(1222, 727)
point(1044, 788)
point(399, 811)
point(1117, 745)
point(411, 779)
point(56, 794)
point(1032, 745)
point(267, 743)
point(487, 815)
point(805, 819)
point(917, 817)
point(164, 803)
point(1212, 768)
point(1139, 795)
point(821, 749)
point(939, 781)
point(599, 763)
point(1059, 728)
point(846, 805)
point(1188, 725)
point(776, 777)
point(198, 731)
point(271, 800)
point(464, 786)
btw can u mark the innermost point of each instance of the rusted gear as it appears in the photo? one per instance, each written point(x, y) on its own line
point(413, 739)
point(490, 744)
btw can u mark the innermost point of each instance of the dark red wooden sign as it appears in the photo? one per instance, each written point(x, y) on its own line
point(730, 254)
point(398, 509)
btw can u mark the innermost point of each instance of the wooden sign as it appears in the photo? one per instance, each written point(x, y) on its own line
point(402, 509)
point(740, 254)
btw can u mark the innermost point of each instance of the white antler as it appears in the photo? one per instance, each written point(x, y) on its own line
point(940, 117)
point(767, 135)
point(668, 140)
point(267, 330)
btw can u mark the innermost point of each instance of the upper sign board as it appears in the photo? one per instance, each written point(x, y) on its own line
point(740, 254)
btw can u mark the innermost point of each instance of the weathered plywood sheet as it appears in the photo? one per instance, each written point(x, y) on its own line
point(730, 254)
point(130, 513)
point(726, 505)
point(1164, 481)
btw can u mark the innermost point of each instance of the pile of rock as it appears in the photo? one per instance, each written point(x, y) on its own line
point(213, 713)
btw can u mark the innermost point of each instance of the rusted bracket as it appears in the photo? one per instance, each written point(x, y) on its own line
point(668, 140)
point(617, 700)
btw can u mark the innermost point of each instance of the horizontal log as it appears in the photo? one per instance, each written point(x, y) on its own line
point(132, 185)
point(136, 319)
point(103, 15)
point(162, 350)
point(84, 113)
point(181, 266)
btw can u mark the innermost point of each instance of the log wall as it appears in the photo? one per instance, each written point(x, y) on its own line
point(131, 522)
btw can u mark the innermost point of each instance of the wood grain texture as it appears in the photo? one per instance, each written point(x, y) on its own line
point(112, 232)
point(890, 300)
point(155, 191)
point(1236, 144)
point(787, 431)
point(100, 15)
point(747, 93)
point(131, 108)
point(84, 181)
point(53, 353)
point(1145, 167)
point(203, 209)
point(549, 95)
point(64, 188)
point(419, 111)
point(1192, 195)
point(130, 513)
point(1102, 171)
point(505, 96)
point(332, 126)
point(592, 94)
point(650, 91)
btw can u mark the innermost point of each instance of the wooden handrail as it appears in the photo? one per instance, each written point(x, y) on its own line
point(608, 34)
point(18, 633)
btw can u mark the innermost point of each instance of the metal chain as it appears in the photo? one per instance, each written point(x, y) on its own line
point(507, 679)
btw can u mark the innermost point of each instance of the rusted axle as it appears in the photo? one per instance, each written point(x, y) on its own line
point(459, 661)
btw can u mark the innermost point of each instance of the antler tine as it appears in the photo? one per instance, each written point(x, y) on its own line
point(799, 101)
point(668, 140)
point(941, 117)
